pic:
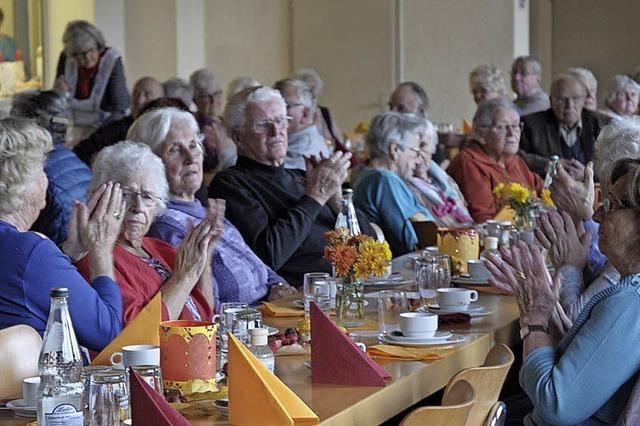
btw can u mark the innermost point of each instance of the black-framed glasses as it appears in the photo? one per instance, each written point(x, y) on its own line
point(614, 204)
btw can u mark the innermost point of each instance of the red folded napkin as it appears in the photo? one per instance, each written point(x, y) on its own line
point(336, 360)
point(455, 318)
point(150, 408)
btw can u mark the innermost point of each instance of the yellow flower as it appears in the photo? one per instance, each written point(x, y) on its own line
point(546, 198)
point(362, 127)
point(373, 259)
point(498, 190)
point(519, 193)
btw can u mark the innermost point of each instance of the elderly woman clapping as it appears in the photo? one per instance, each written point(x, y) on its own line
point(589, 375)
point(33, 265)
point(491, 158)
point(144, 265)
point(381, 191)
point(238, 274)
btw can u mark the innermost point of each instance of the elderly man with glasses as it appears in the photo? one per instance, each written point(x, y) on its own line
point(304, 138)
point(281, 213)
point(526, 75)
point(567, 129)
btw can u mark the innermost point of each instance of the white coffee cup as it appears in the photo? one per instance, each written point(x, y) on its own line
point(477, 270)
point(30, 391)
point(136, 355)
point(456, 298)
point(418, 324)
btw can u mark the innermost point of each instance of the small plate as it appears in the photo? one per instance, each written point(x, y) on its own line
point(438, 335)
point(220, 376)
point(20, 409)
point(478, 311)
point(472, 308)
point(220, 405)
point(465, 279)
point(454, 338)
point(272, 330)
point(409, 294)
point(387, 281)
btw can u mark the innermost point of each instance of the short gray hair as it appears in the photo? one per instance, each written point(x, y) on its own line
point(488, 76)
point(234, 112)
point(535, 65)
point(152, 127)
point(201, 79)
point(48, 108)
point(585, 76)
point(117, 163)
point(305, 74)
point(618, 140)
point(23, 148)
point(618, 84)
point(485, 111)
point(567, 79)
point(303, 91)
point(390, 127)
point(79, 35)
point(239, 84)
point(178, 88)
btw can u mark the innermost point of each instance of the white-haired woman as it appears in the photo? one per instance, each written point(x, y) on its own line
point(589, 80)
point(238, 274)
point(622, 99)
point(220, 151)
point(487, 82)
point(491, 158)
point(144, 265)
point(33, 264)
point(435, 189)
point(92, 76)
point(380, 190)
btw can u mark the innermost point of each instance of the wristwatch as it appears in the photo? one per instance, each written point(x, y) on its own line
point(528, 329)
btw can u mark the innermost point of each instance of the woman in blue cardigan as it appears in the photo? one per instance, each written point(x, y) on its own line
point(33, 265)
point(588, 376)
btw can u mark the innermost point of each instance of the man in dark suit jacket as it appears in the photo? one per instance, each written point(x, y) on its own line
point(567, 129)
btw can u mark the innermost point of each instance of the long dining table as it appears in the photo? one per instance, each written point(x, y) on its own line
point(412, 381)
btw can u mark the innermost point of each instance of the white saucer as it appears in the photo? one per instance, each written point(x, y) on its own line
point(20, 409)
point(462, 279)
point(398, 336)
point(474, 310)
point(409, 294)
point(219, 376)
point(454, 338)
point(224, 409)
point(272, 330)
point(391, 280)
point(299, 303)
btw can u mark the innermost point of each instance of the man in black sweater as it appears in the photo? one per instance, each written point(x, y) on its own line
point(282, 214)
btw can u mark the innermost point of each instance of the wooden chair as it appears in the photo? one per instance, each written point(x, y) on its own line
point(454, 410)
point(19, 351)
point(427, 233)
point(487, 380)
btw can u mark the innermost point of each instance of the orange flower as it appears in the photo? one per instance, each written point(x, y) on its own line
point(342, 258)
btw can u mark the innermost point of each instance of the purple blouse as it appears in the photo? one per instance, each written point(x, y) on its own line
point(238, 274)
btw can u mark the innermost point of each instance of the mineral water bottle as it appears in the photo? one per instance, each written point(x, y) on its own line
point(260, 348)
point(60, 367)
point(347, 217)
point(551, 170)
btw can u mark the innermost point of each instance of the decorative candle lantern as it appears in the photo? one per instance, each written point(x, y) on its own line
point(461, 244)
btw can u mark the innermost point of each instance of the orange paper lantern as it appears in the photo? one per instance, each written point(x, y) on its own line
point(188, 356)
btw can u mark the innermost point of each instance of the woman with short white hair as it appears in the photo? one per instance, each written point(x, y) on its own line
point(589, 81)
point(238, 274)
point(487, 82)
point(144, 265)
point(622, 99)
point(618, 140)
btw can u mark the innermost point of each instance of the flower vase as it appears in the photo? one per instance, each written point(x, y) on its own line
point(526, 224)
point(350, 302)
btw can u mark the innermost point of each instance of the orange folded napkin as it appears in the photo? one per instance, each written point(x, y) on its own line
point(275, 310)
point(402, 353)
point(150, 408)
point(257, 396)
point(142, 330)
point(336, 359)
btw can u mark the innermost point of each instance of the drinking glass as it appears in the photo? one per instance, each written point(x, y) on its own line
point(429, 277)
point(320, 292)
point(391, 303)
point(87, 372)
point(307, 281)
point(243, 321)
point(108, 398)
point(152, 375)
point(227, 313)
point(444, 261)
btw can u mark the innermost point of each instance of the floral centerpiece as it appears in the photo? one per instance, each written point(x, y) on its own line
point(519, 198)
point(354, 259)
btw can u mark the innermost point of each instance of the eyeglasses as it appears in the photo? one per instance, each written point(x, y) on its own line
point(178, 149)
point(565, 99)
point(263, 126)
point(210, 96)
point(613, 204)
point(84, 53)
point(148, 198)
point(502, 128)
point(293, 105)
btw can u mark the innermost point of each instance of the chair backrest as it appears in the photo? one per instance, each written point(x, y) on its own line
point(487, 380)
point(427, 233)
point(19, 351)
point(454, 410)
